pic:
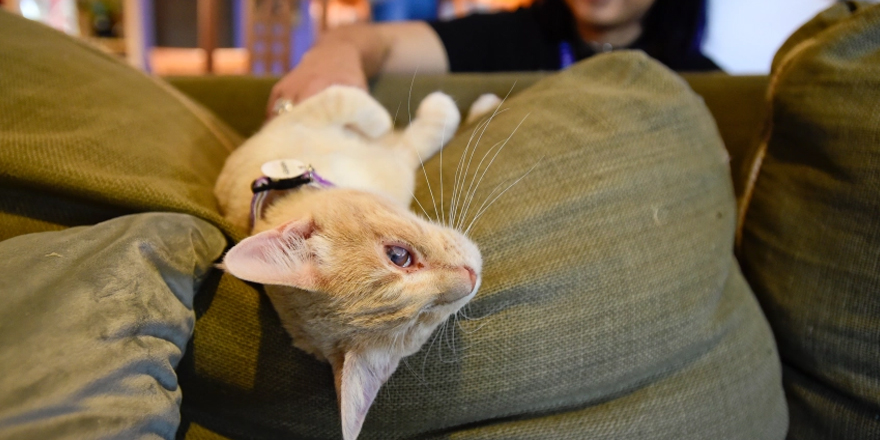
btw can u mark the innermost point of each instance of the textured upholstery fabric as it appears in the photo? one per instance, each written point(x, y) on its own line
point(94, 319)
point(611, 307)
point(811, 237)
point(84, 137)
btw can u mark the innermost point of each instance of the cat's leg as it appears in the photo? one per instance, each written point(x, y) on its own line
point(485, 104)
point(344, 106)
point(436, 121)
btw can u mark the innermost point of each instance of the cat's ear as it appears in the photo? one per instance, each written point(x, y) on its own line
point(358, 377)
point(278, 256)
point(349, 107)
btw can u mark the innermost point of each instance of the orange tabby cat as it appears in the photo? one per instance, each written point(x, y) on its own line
point(356, 278)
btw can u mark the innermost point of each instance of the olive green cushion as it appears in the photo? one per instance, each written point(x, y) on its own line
point(84, 137)
point(93, 321)
point(811, 237)
point(611, 307)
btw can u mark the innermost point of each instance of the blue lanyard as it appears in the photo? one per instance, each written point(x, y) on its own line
point(566, 55)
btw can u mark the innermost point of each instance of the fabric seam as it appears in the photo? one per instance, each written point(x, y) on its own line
point(761, 153)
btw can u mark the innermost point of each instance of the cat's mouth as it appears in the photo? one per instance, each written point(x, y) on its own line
point(465, 288)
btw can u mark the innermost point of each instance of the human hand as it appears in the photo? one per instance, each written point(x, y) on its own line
point(323, 66)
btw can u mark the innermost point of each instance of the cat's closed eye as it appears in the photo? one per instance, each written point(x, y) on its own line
point(399, 255)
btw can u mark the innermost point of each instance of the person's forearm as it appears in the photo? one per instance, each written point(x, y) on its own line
point(365, 42)
point(351, 55)
point(400, 47)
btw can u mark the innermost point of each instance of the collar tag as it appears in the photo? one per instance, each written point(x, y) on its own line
point(284, 169)
point(281, 175)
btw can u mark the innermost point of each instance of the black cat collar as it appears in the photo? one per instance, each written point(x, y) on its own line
point(282, 175)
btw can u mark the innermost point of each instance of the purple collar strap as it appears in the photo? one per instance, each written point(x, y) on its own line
point(264, 185)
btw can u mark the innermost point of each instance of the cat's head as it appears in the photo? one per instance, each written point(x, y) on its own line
point(359, 281)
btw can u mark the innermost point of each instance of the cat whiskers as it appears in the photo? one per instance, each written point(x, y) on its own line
point(428, 350)
point(459, 172)
point(448, 332)
point(420, 377)
point(461, 205)
point(465, 317)
point(442, 144)
point(463, 198)
point(396, 112)
point(486, 206)
point(430, 191)
point(420, 205)
point(450, 341)
point(443, 331)
point(472, 190)
point(409, 96)
point(421, 160)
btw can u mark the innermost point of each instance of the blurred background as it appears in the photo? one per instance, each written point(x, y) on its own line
point(268, 37)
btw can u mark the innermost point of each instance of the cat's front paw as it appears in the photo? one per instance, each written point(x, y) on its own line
point(485, 104)
point(438, 108)
point(435, 123)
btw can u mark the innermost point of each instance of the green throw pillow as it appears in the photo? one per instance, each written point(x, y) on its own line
point(611, 307)
point(810, 243)
point(94, 320)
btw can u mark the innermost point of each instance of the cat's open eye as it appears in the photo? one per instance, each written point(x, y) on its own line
point(398, 255)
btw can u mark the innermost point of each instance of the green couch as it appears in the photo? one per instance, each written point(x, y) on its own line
point(612, 305)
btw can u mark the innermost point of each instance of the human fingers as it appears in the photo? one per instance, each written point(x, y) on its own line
point(287, 93)
point(319, 68)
